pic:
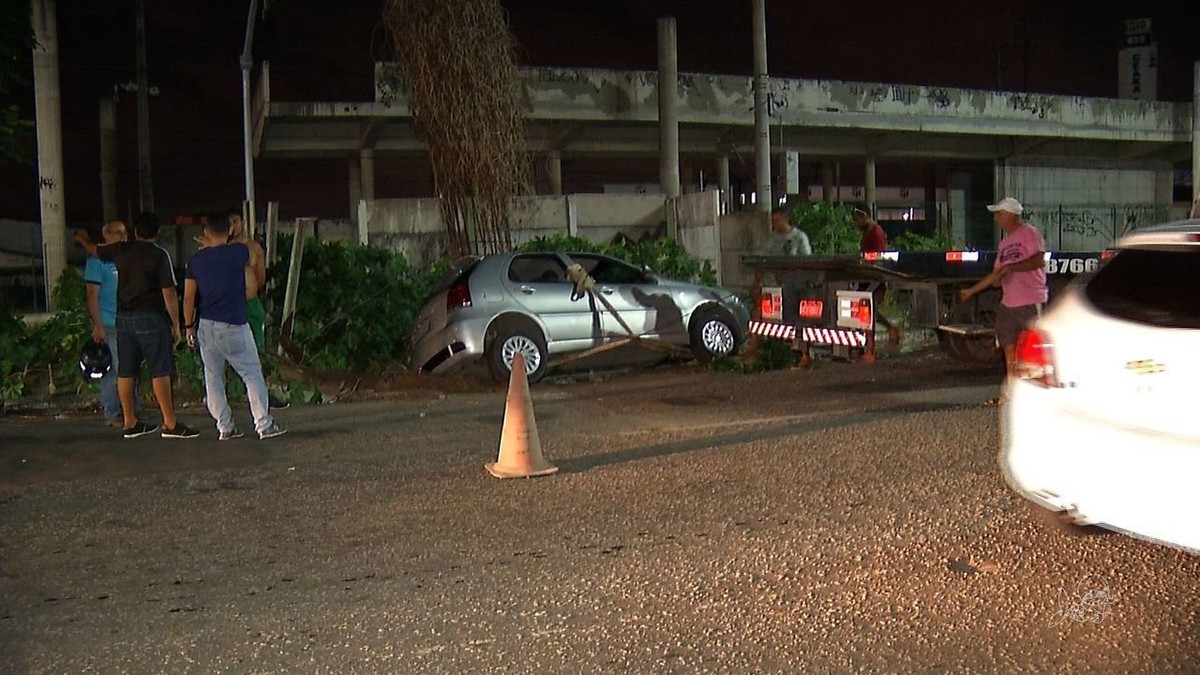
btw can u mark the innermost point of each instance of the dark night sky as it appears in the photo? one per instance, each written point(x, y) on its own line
point(321, 50)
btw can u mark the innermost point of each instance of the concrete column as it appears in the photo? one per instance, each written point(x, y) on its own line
point(145, 167)
point(554, 170)
point(791, 172)
point(366, 159)
point(723, 179)
point(668, 112)
point(1196, 140)
point(827, 182)
point(108, 158)
point(48, 105)
point(355, 176)
point(762, 128)
point(869, 187)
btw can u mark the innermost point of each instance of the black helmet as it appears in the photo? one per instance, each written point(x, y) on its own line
point(95, 360)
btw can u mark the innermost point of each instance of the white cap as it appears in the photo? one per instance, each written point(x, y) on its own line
point(1007, 204)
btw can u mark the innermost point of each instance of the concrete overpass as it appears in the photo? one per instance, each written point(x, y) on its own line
point(588, 113)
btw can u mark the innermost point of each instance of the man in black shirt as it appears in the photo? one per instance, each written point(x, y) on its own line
point(147, 322)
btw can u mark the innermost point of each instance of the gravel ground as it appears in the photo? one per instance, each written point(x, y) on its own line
point(842, 518)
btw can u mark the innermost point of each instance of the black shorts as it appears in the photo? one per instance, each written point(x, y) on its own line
point(145, 336)
point(1010, 321)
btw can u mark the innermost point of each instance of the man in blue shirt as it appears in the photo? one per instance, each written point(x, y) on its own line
point(220, 278)
point(101, 279)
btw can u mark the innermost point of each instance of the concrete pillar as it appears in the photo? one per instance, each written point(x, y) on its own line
point(668, 109)
point(108, 158)
point(145, 167)
point(827, 182)
point(762, 128)
point(354, 170)
point(869, 187)
point(554, 170)
point(1196, 140)
point(366, 160)
point(958, 189)
point(723, 180)
point(48, 105)
point(791, 172)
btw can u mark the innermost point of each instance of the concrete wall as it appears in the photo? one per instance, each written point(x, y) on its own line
point(699, 229)
point(1085, 207)
point(414, 226)
point(745, 233)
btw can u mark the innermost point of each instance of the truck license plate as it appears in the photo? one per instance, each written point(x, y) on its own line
point(811, 309)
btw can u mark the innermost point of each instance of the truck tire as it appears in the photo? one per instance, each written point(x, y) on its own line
point(971, 348)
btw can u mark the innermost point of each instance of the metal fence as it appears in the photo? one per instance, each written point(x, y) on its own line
point(1092, 227)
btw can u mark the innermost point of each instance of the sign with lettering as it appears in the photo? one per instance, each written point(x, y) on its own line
point(1138, 73)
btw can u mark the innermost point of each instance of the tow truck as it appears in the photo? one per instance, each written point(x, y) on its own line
point(827, 301)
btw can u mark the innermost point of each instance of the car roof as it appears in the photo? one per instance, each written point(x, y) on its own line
point(1178, 233)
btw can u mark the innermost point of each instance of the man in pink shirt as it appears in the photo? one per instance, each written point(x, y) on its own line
point(1020, 272)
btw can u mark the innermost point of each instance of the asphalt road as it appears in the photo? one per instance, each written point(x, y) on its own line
point(844, 518)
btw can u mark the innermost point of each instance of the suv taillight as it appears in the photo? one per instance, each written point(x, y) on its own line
point(1034, 358)
point(459, 295)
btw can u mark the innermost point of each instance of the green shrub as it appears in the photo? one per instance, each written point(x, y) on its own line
point(829, 227)
point(911, 241)
point(356, 304)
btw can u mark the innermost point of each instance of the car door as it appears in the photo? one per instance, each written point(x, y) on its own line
point(643, 305)
point(538, 283)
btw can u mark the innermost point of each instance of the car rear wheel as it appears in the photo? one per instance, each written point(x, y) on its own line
point(712, 336)
point(511, 340)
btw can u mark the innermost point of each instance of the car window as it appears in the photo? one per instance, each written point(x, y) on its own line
point(1151, 286)
point(537, 268)
point(611, 271)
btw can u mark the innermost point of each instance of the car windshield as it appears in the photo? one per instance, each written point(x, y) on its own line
point(1159, 287)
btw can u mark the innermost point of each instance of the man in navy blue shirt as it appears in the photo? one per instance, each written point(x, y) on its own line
point(221, 274)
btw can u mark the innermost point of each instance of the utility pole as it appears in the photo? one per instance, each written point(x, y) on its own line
point(1196, 140)
point(48, 103)
point(762, 122)
point(145, 170)
point(108, 157)
point(668, 109)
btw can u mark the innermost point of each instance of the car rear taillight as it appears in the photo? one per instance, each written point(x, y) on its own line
point(1033, 358)
point(458, 295)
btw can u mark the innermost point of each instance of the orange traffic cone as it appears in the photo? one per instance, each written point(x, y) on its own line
point(520, 448)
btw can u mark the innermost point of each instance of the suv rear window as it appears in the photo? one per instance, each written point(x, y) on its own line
point(1159, 287)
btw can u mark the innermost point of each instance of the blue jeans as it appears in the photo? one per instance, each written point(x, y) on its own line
point(221, 344)
point(110, 403)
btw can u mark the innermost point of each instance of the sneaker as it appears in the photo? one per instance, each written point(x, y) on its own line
point(139, 429)
point(276, 403)
point(231, 434)
point(271, 432)
point(180, 431)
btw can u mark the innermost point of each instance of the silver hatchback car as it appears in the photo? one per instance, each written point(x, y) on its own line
point(499, 305)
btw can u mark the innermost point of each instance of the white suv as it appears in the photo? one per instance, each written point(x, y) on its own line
point(1102, 419)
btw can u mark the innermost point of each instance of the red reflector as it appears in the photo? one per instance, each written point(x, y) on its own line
point(1033, 358)
point(459, 295)
point(962, 256)
point(1107, 253)
point(863, 312)
point(872, 255)
point(812, 309)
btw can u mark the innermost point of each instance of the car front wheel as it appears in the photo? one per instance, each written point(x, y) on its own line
point(513, 340)
point(712, 336)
